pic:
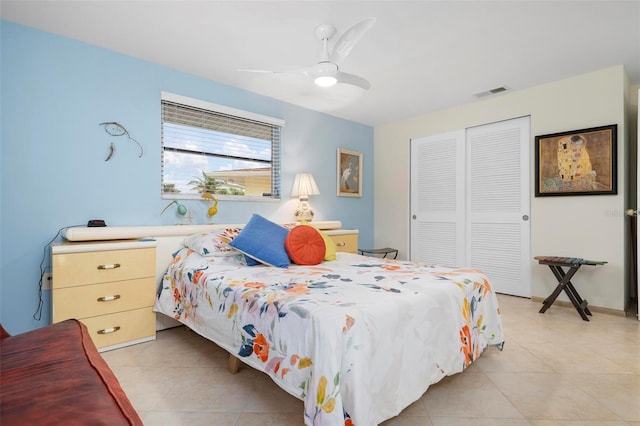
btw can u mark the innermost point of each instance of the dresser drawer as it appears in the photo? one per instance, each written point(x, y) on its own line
point(346, 242)
point(113, 329)
point(74, 269)
point(100, 299)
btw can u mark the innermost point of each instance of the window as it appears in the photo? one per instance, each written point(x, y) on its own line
point(211, 148)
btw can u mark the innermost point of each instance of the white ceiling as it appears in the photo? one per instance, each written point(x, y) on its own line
point(420, 56)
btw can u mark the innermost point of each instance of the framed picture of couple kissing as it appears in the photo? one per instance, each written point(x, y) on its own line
point(577, 162)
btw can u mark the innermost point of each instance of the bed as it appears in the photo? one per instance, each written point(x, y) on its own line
point(55, 376)
point(357, 338)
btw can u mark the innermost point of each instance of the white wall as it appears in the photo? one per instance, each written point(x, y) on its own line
point(591, 227)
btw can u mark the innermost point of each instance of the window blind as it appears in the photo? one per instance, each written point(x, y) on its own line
point(207, 149)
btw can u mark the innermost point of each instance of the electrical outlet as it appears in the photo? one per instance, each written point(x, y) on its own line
point(47, 281)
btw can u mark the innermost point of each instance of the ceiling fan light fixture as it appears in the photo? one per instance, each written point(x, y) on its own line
point(325, 80)
point(325, 74)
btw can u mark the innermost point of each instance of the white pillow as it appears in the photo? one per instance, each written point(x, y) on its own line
point(213, 243)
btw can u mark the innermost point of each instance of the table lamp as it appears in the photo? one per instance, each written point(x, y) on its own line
point(303, 186)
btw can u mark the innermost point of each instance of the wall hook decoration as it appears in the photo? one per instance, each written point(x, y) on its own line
point(112, 150)
point(116, 129)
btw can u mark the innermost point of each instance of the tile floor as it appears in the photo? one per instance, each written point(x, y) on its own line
point(555, 370)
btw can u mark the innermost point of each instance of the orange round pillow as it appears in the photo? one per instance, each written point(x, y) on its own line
point(305, 245)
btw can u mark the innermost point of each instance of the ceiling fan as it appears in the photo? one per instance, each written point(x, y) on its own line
point(327, 71)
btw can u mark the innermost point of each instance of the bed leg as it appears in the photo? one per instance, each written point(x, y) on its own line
point(234, 364)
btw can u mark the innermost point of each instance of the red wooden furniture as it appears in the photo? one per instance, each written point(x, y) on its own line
point(55, 376)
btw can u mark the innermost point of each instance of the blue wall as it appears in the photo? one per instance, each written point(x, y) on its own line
point(55, 91)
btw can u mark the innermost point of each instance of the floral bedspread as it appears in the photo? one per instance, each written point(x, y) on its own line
point(357, 339)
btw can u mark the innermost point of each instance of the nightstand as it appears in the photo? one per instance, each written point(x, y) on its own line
point(346, 239)
point(110, 286)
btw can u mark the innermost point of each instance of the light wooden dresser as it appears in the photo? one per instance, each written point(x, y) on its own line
point(346, 239)
point(109, 286)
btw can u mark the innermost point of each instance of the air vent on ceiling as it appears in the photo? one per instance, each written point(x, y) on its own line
point(491, 92)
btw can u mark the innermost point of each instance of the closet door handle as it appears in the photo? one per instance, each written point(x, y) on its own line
point(108, 298)
point(109, 266)
point(109, 330)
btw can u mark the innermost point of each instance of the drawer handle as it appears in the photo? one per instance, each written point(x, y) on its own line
point(109, 266)
point(108, 298)
point(342, 244)
point(109, 330)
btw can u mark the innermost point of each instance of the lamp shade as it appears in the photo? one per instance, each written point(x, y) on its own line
point(304, 185)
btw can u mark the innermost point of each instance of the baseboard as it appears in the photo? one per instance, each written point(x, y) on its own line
point(598, 309)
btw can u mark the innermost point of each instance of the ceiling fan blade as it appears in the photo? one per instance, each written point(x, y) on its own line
point(257, 71)
point(300, 71)
point(354, 80)
point(349, 39)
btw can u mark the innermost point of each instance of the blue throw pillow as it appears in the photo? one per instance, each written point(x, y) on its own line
point(263, 240)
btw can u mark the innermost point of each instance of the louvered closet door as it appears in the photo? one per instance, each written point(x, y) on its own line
point(437, 199)
point(497, 180)
point(470, 202)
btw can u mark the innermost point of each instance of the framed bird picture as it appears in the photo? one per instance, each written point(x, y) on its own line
point(349, 173)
